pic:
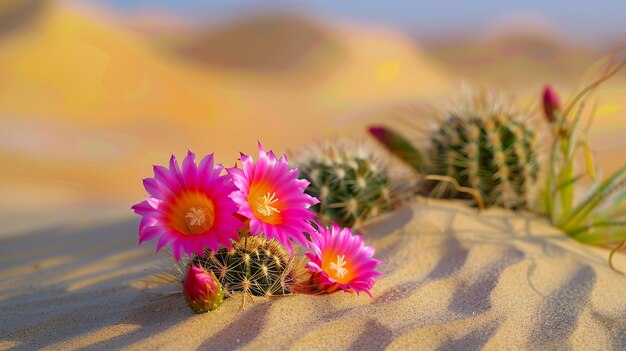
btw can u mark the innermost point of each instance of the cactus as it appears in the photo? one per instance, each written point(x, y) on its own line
point(494, 155)
point(255, 265)
point(483, 146)
point(350, 179)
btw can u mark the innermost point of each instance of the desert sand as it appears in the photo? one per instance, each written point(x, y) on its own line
point(452, 280)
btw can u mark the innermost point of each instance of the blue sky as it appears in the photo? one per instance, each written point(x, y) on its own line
point(587, 20)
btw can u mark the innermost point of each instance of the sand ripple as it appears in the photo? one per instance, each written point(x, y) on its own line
point(453, 280)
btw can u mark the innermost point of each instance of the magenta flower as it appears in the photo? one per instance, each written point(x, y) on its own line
point(202, 289)
point(272, 197)
point(189, 209)
point(340, 260)
point(551, 103)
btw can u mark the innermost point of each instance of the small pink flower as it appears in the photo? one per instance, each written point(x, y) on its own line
point(202, 289)
point(340, 260)
point(551, 103)
point(272, 197)
point(189, 209)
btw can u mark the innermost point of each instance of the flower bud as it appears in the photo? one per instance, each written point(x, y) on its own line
point(202, 289)
point(551, 103)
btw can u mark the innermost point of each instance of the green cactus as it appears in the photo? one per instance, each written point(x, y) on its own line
point(483, 146)
point(255, 265)
point(350, 179)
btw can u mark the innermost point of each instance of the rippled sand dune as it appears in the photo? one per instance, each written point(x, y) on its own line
point(452, 280)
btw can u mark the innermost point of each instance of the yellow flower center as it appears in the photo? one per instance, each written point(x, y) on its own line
point(339, 266)
point(192, 213)
point(265, 204)
point(199, 218)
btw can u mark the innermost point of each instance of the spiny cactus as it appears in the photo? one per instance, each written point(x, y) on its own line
point(255, 265)
point(494, 155)
point(351, 180)
point(484, 145)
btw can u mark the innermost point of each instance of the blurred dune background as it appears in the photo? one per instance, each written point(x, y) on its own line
point(93, 93)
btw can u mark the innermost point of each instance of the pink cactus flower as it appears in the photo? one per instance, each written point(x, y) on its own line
point(190, 209)
point(340, 260)
point(272, 197)
point(202, 289)
point(551, 103)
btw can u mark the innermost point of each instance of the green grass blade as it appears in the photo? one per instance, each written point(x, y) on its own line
point(569, 153)
point(615, 209)
point(567, 191)
point(600, 234)
point(595, 225)
point(570, 182)
point(591, 87)
point(550, 179)
point(597, 196)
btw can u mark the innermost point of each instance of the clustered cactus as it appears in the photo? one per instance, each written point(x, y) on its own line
point(255, 266)
point(351, 180)
point(485, 145)
point(236, 231)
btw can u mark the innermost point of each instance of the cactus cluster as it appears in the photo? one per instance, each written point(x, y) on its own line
point(484, 145)
point(351, 180)
point(255, 266)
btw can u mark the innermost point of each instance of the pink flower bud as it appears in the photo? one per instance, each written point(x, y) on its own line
point(551, 103)
point(202, 289)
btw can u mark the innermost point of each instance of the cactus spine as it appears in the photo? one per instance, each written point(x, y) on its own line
point(484, 145)
point(254, 265)
point(350, 179)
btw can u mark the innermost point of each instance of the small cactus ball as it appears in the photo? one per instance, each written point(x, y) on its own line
point(254, 265)
point(351, 180)
point(486, 146)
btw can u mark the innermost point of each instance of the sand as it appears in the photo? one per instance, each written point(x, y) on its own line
point(452, 280)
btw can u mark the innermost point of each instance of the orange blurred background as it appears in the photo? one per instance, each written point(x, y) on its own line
point(92, 94)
